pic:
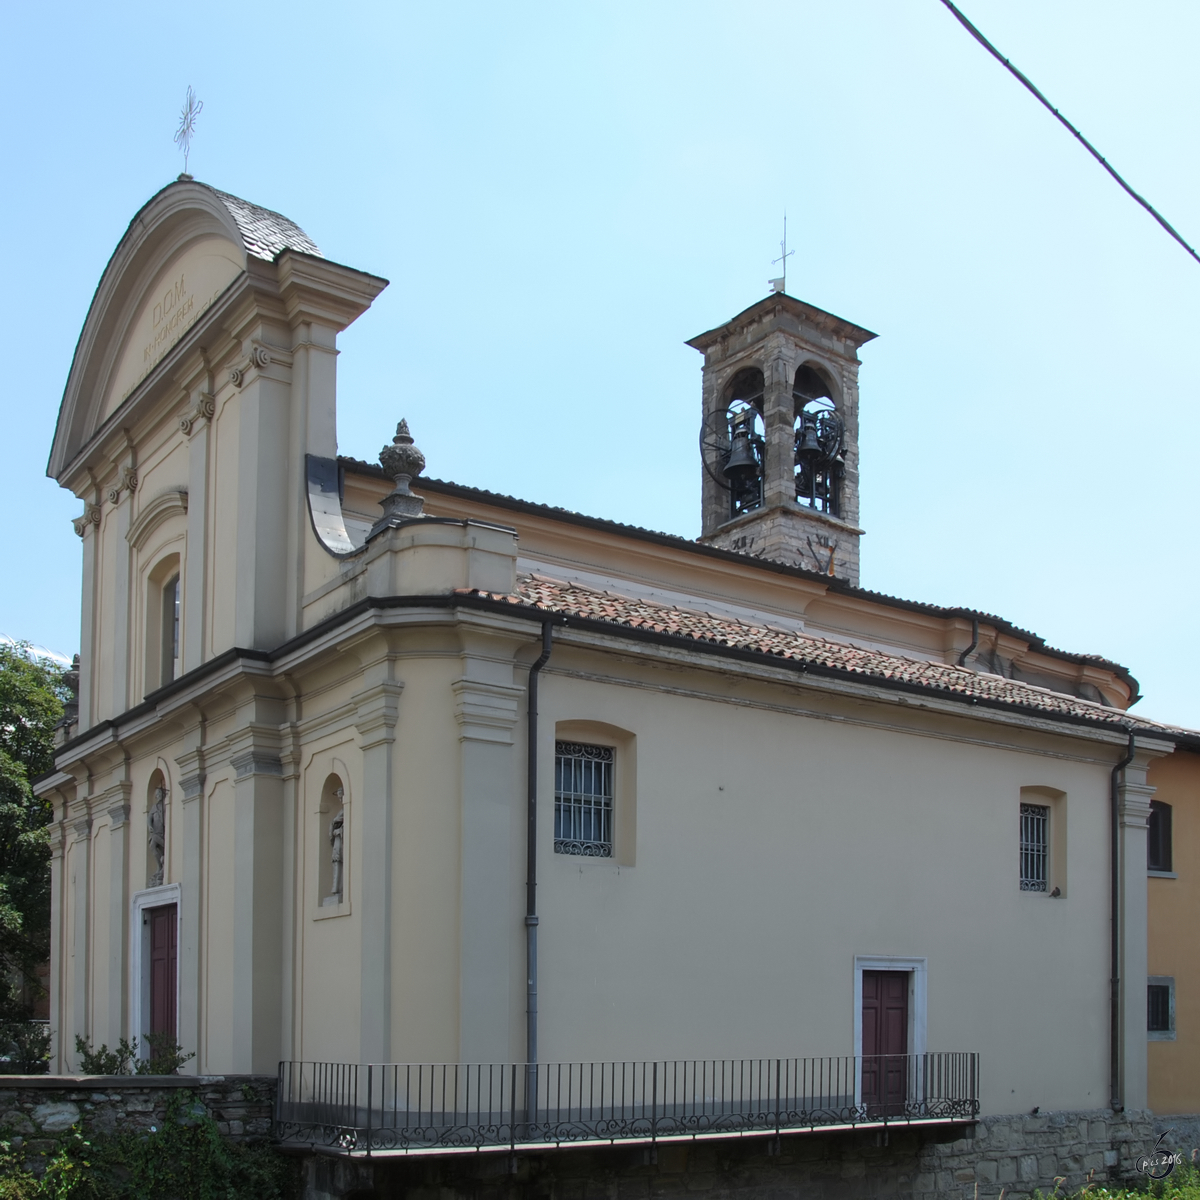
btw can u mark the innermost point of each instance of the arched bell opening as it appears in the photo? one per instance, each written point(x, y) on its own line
point(733, 442)
point(819, 441)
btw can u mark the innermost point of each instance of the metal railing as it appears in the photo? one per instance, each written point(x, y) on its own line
point(440, 1108)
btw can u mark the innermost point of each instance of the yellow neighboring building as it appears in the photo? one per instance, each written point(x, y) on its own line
point(1173, 943)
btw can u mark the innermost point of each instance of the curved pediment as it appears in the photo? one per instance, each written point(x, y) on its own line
point(183, 250)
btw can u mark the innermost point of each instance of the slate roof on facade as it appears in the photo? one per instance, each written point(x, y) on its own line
point(265, 233)
point(872, 666)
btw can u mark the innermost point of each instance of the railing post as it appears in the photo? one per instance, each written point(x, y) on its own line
point(654, 1104)
point(370, 1102)
point(512, 1112)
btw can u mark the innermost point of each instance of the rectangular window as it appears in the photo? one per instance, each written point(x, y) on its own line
point(1158, 841)
point(1160, 1008)
point(1035, 846)
point(170, 630)
point(583, 799)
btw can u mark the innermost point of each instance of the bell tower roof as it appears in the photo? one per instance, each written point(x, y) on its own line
point(784, 310)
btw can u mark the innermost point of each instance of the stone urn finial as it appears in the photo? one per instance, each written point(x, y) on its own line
point(403, 462)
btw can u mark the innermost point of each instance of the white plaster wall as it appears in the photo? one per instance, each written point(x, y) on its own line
point(773, 848)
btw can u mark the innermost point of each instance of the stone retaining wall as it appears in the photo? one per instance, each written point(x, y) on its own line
point(1013, 1154)
point(36, 1108)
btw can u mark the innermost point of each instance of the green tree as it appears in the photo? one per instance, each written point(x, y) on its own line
point(32, 694)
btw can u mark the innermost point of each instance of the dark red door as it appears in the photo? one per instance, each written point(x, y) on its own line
point(164, 959)
point(884, 1042)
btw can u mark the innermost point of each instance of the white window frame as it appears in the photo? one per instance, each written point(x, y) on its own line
point(1168, 1034)
point(139, 956)
point(918, 981)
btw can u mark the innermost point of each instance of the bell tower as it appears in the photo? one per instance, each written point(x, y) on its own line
point(779, 436)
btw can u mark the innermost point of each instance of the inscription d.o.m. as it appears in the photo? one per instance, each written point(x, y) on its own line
point(171, 298)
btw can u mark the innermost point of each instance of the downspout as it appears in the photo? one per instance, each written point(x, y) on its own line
point(531, 919)
point(1114, 901)
point(962, 658)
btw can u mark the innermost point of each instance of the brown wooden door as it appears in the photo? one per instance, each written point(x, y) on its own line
point(884, 1042)
point(164, 960)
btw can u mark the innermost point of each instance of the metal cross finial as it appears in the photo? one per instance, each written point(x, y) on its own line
point(187, 126)
point(780, 284)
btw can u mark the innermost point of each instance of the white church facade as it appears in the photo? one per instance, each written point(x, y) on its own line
point(373, 769)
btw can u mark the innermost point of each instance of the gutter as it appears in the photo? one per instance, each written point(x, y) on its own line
point(1114, 900)
point(962, 658)
point(531, 917)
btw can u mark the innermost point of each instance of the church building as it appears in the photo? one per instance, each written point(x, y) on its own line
point(375, 775)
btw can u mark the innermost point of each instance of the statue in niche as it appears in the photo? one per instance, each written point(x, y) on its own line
point(156, 820)
point(336, 848)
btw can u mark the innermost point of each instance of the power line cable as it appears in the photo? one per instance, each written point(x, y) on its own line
point(1028, 83)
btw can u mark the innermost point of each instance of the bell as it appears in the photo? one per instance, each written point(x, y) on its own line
point(742, 464)
point(810, 446)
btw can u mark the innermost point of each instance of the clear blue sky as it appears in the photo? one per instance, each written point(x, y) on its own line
point(561, 194)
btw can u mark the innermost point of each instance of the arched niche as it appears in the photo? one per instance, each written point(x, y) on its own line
point(156, 829)
point(333, 843)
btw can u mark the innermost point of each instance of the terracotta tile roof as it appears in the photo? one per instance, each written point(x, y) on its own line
point(839, 586)
point(946, 679)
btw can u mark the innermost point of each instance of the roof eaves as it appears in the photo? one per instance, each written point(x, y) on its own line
point(840, 586)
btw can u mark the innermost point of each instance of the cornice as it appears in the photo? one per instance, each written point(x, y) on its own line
point(167, 504)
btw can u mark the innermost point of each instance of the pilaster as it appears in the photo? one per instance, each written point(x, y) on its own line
point(487, 707)
point(258, 899)
point(118, 913)
point(378, 706)
point(1134, 799)
point(191, 792)
point(88, 528)
point(122, 613)
point(261, 575)
point(195, 569)
point(779, 486)
point(81, 887)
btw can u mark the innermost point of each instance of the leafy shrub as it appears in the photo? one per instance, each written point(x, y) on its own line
point(165, 1058)
point(24, 1048)
point(185, 1158)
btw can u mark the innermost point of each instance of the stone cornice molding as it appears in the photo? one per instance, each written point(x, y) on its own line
point(1135, 804)
point(324, 292)
point(486, 712)
point(82, 828)
point(91, 516)
point(118, 818)
point(257, 761)
point(203, 410)
point(173, 502)
point(378, 710)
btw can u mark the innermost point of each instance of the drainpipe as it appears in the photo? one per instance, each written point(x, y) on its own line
point(531, 919)
point(1114, 900)
point(962, 658)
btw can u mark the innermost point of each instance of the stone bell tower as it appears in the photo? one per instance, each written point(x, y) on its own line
point(779, 437)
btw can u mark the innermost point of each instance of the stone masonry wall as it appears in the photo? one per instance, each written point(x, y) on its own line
point(35, 1108)
point(1010, 1154)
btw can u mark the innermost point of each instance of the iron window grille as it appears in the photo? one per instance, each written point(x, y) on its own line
point(1035, 846)
point(1158, 841)
point(583, 799)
